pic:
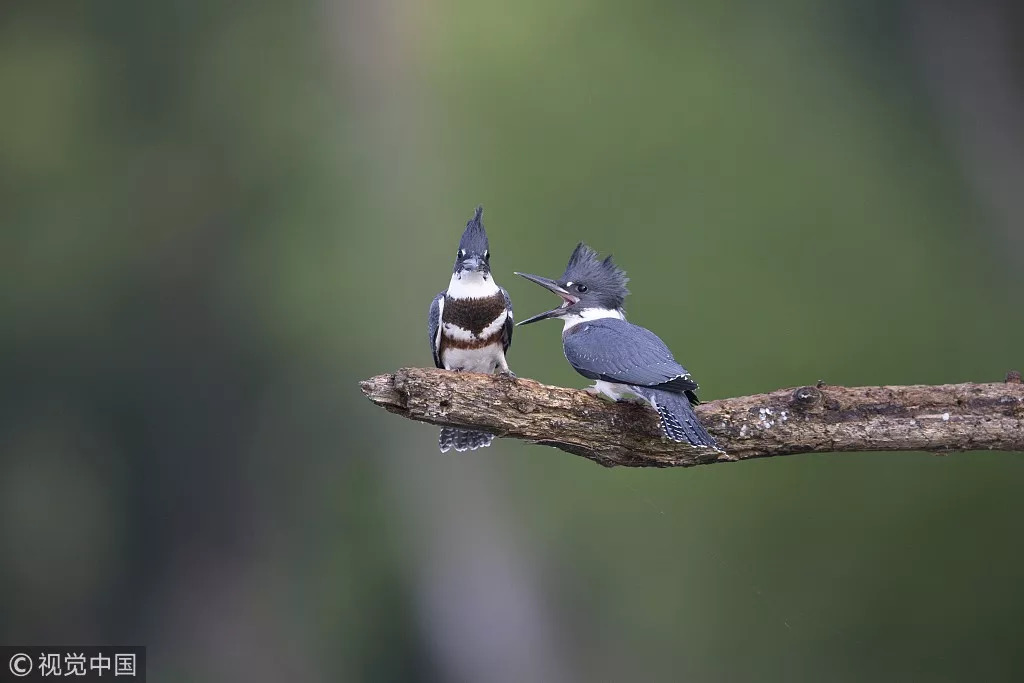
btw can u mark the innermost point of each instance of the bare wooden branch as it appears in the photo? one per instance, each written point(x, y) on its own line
point(809, 419)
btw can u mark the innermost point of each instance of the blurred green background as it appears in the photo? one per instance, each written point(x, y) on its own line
point(218, 217)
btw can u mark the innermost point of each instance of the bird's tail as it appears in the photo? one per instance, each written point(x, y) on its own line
point(463, 439)
point(678, 420)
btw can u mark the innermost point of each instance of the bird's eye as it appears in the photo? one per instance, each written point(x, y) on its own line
point(487, 255)
point(581, 288)
point(462, 253)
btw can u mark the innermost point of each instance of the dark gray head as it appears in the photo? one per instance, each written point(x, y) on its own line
point(474, 253)
point(588, 282)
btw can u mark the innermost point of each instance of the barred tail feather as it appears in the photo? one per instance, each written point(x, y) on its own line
point(463, 439)
point(678, 420)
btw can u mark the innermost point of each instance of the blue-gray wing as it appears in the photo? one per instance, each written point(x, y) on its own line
point(433, 322)
point(614, 350)
point(506, 332)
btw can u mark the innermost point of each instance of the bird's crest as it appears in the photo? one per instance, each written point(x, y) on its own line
point(474, 238)
point(600, 275)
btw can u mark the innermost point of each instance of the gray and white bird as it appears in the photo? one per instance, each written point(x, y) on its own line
point(470, 324)
point(626, 360)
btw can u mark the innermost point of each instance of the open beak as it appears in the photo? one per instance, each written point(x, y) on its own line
point(552, 286)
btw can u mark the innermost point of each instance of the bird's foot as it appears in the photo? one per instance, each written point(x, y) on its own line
point(507, 373)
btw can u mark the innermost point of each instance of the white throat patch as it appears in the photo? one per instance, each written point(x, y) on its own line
point(586, 314)
point(471, 285)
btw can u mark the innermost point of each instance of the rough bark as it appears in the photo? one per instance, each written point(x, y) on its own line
point(808, 419)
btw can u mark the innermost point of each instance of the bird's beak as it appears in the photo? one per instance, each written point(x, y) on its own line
point(552, 286)
point(472, 264)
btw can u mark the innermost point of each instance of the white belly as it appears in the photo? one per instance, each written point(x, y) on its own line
point(487, 359)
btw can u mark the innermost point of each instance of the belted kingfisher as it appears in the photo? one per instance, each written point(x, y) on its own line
point(625, 359)
point(470, 324)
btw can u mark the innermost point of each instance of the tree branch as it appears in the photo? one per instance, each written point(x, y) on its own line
point(810, 419)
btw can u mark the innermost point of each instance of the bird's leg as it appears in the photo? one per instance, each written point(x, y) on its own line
point(624, 397)
point(593, 390)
